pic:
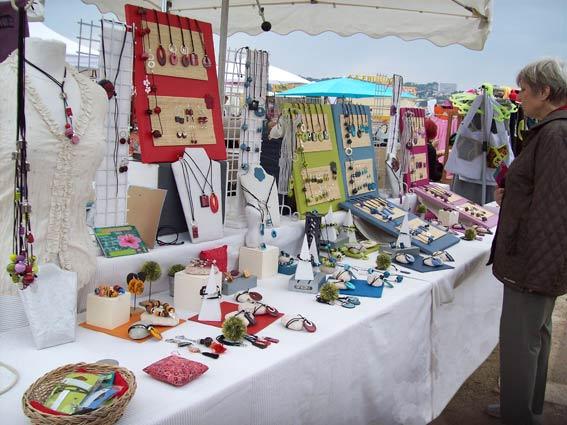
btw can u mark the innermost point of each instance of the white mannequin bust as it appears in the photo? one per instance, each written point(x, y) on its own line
point(253, 219)
point(62, 174)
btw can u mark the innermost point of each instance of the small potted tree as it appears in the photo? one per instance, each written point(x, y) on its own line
point(421, 210)
point(171, 274)
point(152, 271)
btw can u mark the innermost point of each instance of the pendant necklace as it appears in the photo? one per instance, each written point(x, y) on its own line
point(313, 134)
point(69, 131)
point(160, 51)
point(194, 227)
point(358, 123)
point(147, 54)
point(325, 132)
point(211, 201)
point(193, 58)
point(263, 209)
point(206, 61)
point(183, 49)
point(172, 48)
point(319, 128)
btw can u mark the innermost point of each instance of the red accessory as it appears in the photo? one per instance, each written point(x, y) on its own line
point(218, 255)
point(214, 202)
point(176, 370)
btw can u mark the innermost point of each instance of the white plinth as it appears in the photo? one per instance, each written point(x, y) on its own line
point(448, 218)
point(187, 290)
point(108, 313)
point(261, 263)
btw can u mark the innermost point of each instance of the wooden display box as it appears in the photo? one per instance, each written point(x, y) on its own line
point(262, 263)
point(108, 313)
point(187, 290)
point(239, 284)
point(307, 286)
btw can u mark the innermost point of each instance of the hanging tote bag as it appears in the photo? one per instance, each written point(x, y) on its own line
point(51, 306)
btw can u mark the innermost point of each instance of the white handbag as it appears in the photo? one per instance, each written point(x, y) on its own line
point(50, 304)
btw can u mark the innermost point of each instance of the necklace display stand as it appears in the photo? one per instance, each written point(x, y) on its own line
point(262, 215)
point(194, 175)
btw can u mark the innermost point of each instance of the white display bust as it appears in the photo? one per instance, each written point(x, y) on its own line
point(62, 174)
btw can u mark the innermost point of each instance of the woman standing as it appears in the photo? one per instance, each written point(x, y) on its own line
point(529, 252)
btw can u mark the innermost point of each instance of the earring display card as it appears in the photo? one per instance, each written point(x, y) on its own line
point(320, 185)
point(360, 177)
point(185, 121)
point(196, 72)
point(420, 229)
point(160, 74)
point(418, 167)
point(319, 191)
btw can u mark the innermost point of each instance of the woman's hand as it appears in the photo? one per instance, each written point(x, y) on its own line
point(498, 194)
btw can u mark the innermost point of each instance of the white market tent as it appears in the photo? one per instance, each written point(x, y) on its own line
point(443, 22)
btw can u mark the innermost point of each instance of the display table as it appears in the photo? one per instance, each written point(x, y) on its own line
point(394, 360)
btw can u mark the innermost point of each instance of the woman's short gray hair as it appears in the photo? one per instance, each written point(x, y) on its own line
point(550, 73)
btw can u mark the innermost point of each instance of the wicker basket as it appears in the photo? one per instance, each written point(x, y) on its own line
point(41, 389)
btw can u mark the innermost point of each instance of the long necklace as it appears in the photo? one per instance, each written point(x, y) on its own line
point(194, 227)
point(172, 48)
point(23, 266)
point(206, 61)
point(263, 208)
point(211, 201)
point(69, 131)
point(183, 49)
point(160, 51)
point(193, 58)
point(325, 132)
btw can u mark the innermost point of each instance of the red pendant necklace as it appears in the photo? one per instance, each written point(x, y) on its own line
point(211, 201)
point(193, 58)
point(160, 51)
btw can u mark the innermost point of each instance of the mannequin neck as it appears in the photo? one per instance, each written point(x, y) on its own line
point(48, 55)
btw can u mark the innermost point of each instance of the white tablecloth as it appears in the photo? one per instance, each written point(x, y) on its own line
point(394, 360)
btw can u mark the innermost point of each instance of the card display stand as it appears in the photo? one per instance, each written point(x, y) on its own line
point(387, 217)
point(317, 174)
point(469, 212)
point(187, 84)
point(416, 146)
point(307, 286)
point(259, 262)
point(356, 154)
point(202, 222)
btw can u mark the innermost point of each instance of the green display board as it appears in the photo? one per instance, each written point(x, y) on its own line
point(317, 172)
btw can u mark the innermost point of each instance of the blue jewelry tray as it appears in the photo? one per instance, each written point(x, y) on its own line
point(363, 289)
point(361, 207)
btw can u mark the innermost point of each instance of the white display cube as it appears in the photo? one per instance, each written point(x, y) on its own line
point(261, 263)
point(106, 312)
point(187, 290)
point(448, 218)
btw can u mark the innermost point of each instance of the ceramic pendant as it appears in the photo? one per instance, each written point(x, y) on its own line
point(206, 61)
point(194, 59)
point(185, 60)
point(161, 56)
point(375, 279)
point(433, 261)
point(194, 230)
point(404, 258)
point(214, 202)
point(298, 323)
point(173, 59)
point(204, 200)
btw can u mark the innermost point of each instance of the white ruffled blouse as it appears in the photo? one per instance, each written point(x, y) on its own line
point(61, 177)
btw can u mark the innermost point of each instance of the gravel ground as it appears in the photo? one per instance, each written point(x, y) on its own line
point(467, 406)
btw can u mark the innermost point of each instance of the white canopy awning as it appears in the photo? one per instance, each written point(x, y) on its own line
point(443, 22)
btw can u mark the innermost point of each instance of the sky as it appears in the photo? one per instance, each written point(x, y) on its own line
point(522, 31)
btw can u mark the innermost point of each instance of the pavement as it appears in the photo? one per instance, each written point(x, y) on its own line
point(467, 406)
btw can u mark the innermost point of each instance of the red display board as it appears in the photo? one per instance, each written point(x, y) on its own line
point(185, 88)
point(418, 174)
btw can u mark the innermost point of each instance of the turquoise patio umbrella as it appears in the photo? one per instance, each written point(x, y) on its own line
point(341, 87)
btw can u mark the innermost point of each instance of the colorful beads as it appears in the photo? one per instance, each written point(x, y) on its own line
point(23, 268)
point(109, 291)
